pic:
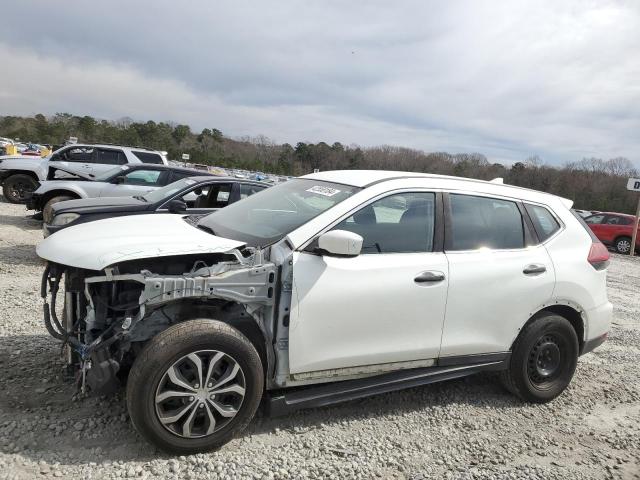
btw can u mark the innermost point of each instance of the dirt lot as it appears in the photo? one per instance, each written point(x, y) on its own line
point(465, 429)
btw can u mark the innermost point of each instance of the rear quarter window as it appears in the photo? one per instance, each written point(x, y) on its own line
point(543, 221)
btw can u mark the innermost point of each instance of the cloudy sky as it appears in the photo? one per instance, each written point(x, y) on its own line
point(560, 79)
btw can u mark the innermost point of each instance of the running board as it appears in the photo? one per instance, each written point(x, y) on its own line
point(327, 394)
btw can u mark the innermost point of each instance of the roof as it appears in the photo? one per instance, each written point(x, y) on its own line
point(107, 145)
point(361, 178)
point(616, 213)
point(366, 178)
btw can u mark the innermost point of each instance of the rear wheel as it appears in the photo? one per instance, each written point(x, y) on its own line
point(623, 245)
point(17, 186)
point(47, 211)
point(543, 359)
point(194, 386)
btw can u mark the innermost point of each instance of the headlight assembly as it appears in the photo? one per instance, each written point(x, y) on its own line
point(64, 218)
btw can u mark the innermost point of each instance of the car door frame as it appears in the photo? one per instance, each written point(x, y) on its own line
point(196, 211)
point(531, 240)
point(438, 248)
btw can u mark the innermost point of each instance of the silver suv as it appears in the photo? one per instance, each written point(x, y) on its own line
point(20, 175)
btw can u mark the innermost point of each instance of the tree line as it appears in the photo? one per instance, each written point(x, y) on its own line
point(593, 183)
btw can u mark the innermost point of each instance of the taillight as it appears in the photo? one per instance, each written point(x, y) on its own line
point(598, 256)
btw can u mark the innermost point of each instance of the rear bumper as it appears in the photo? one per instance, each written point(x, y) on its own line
point(592, 344)
point(598, 325)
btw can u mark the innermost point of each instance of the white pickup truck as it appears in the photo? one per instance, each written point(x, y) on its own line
point(20, 175)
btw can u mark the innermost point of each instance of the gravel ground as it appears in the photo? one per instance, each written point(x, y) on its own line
point(469, 428)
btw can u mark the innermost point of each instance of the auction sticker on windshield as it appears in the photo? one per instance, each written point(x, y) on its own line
point(326, 191)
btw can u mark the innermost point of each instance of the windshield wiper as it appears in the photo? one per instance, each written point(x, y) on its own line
point(141, 198)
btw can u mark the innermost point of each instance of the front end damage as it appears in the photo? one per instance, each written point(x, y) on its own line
point(104, 318)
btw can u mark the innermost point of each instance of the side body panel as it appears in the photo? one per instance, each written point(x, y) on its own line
point(490, 298)
point(365, 310)
point(577, 282)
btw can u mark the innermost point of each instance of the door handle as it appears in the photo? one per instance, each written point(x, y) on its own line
point(534, 269)
point(429, 277)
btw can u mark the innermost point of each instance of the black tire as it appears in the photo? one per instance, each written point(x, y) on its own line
point(16, 186)
point(543, 359)
point(170, 347)
point(622, 245)
point(47, 210)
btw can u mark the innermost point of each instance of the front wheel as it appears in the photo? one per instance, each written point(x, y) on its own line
point(623, 245)
point(47, 210)
point(194, 386)
point(16, 187)
point(543, 359)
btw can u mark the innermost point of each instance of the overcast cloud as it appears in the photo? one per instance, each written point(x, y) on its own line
point(505, 78)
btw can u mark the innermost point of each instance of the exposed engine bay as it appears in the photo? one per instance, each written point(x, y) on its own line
point(107, 316)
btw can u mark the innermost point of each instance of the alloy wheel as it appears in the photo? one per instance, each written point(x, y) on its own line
point(623, 245)
point(200, 393)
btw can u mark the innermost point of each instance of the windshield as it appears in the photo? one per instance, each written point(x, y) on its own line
point(267, 216)
point(112, 172)
point(168, 190)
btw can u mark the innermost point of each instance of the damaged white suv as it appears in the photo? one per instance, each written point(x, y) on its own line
point(325, 288)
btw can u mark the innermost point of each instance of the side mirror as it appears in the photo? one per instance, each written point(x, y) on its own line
point(177, 206)
point(119, 180)
point(340, 243)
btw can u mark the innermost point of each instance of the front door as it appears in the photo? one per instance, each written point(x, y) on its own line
point(384, 306)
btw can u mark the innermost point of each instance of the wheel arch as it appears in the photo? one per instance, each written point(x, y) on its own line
point(29, 173)
point(233, 314)
point(618, 237)
point(48, 195)
point(567, 310)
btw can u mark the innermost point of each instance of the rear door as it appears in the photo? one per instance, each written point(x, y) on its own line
point(105, 159)
point(616, 226)
point(498, 273)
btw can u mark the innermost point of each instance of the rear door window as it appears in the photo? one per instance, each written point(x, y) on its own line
point(617, 220)
point(110, 157)
point(483, 222)
point(148, 157)
point(544, 223)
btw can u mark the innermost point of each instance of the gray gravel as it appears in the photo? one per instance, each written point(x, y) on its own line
point(465, 429)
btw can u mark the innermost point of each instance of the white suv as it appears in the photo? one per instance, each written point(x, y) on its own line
point(20, 175)
point(325, 288)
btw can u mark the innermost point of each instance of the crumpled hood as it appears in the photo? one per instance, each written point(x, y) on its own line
point(96, 245)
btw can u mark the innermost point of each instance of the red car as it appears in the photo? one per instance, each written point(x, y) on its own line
point(614, 230)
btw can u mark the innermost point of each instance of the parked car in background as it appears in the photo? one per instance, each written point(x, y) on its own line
point(614, 230)
point(585, 213)
point(191, 196)
point(123, 181)
point(325, 288)
point(20, 174)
